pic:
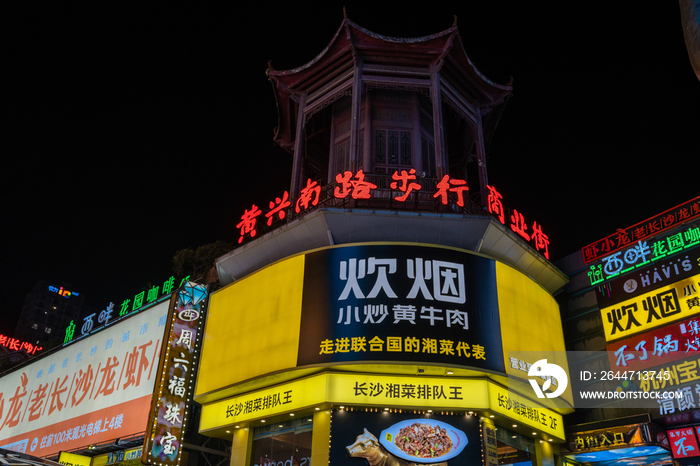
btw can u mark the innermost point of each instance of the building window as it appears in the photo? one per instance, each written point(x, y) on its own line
point(287, 442)
point(47, 330)
point(514, 448)
point(393, 115)
point(392, 149)
point(35, 326)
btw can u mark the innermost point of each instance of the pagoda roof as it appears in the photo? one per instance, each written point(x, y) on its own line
point(382, 58)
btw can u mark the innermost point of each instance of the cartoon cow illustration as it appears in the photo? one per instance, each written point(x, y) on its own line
point(366, 446)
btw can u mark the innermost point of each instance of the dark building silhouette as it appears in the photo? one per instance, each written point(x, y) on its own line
point(48, 309)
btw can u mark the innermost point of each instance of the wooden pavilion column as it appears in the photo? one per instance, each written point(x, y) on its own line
point(357, 161)
point(481, 159)
point(441, 166)
point(298, 164)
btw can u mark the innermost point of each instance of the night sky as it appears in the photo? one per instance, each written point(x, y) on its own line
point(135, 130)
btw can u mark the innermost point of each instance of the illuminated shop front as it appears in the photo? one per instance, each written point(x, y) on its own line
point(632, 305)
point(380, 301)
point(119, 389)
point(299, 344)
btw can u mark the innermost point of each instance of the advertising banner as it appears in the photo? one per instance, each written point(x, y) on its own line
point(387, 303)
point(178, 362)
point(400, 303)
point(660, 346)
point(96, 389)
point(654, 309)
point(71, 459)
point(653, 226)
point(659, 251)
point(366, 438)
point(683, 443)
point(365, 389)
point(660, 273)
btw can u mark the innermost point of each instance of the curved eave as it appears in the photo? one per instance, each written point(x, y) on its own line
point(458, 56)
point(363, 37)
point(351, 41)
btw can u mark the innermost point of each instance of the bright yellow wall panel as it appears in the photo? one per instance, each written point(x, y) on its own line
point(253, 327)
point(530, 323)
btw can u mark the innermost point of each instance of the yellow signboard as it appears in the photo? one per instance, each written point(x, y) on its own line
point(71, 459)
point(654, 309)
point(531, 327)
point(252, 327)
point(291, 396)
point(524, 411)
point(131, 457)
point(419, 392)
point(382, 391)
point(489, 442)
point(361, 389)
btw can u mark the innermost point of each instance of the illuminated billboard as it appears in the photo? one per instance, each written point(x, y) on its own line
point(398, 438)
point(653, 309)
point(662, 345)
point(653, 226)
point(391, 302)
point(400, 303)
point(94, 390)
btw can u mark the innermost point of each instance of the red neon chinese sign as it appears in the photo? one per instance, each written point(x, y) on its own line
point(14, 344)
point(624, 237)
point(403, 184)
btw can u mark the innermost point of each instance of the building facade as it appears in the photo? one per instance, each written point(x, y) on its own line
point(119, 389)
point(47, 311)
point(630, 310)
point(391, 288)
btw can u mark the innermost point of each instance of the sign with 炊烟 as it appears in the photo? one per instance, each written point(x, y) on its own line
point(400, 303)
point(392, 303)
point(653, 309)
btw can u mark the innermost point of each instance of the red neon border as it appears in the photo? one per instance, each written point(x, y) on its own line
point(635, 225)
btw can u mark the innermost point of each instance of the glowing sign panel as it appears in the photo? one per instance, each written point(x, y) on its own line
point(655, 225)
point(96, 389)
point(403, 186)
point(653, 309)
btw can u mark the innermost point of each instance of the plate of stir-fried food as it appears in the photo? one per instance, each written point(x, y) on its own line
point(423, 440)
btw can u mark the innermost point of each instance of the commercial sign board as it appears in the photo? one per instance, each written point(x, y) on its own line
point(653, 226)
point(525, 411)
point(379, 438)
point(166, 426)
point(653, 309)
point(656, 275)
point(356, 388)
point(659, 346)
point(683, 442)
point(679, 379)
point(374, 303)
point(401, 303)
point(661, 251)
point(71, 459)
point(108, 315)
point(95, 390)
point(405, 189)
point(490, 443)
point(15, 344)
point(380, 391)
point(616, 437)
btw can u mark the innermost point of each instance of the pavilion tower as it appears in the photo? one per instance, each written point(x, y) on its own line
point(379, 104)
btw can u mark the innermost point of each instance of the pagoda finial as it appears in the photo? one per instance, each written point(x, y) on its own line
point(454, 23)
point(345, 15)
